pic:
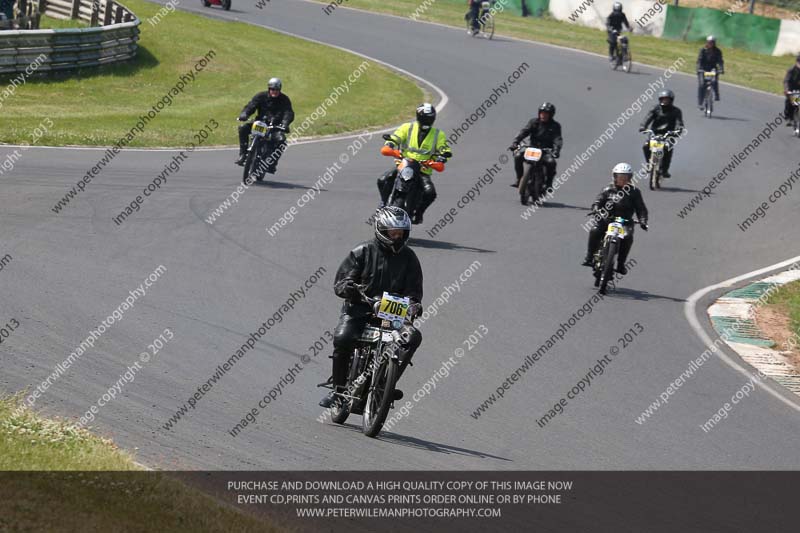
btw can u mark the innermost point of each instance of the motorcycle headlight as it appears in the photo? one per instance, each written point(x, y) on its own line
point(407, 173)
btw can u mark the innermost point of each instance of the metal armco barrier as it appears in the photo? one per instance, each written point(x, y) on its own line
point(112, 38)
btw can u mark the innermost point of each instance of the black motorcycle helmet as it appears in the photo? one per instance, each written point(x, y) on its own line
point(389, 218)
point(547, 107)
point(666, 93)
point(426, 115)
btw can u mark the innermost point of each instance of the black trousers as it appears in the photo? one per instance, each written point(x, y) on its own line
point(386, 184)
point(474, 14)
point(788, 109)
point(549, 167)
point(347, 333)
point(666, 161)
point(596, 235)
point(612, 44)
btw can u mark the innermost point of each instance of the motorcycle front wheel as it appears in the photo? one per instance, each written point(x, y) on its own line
point(251, 162)
point(654, 169)
point(539, 185)
point(609, 255)
point(380, 398)
point(524, 193)
point(627, 63)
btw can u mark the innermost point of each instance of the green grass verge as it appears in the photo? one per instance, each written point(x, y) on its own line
point(97, 107)
point(52, 23)
point(30, 442)
point(87, 500)
point(741, 67)
point(787, 300)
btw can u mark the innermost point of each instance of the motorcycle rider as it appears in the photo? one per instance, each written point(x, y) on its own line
point(619, 199)
point(385, 263)
point(791, 82)
point(418, 141)
point(274, 107)
point(615, 21)
point(662, 118)
point(709, 58)
point(544, 132)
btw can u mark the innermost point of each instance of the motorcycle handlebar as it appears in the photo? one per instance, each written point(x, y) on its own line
point(666, 134)
point(269, 126)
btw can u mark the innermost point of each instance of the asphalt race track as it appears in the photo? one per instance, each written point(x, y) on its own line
point(222, 280)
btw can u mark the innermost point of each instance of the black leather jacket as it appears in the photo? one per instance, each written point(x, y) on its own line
point(619, 203)
point(369, 264)
point(542, 134)
point(276, 109)
point(664, 119)
point(709, 59)
point(791, 82)
point(616, 20)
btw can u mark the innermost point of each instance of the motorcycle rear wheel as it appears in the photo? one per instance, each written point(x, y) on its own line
point(380, 398)
point(341, 410)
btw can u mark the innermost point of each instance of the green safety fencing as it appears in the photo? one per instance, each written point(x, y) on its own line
point(740, 30)
point(534, 7)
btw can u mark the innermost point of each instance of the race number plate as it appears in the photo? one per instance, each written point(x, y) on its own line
point(393, 308)
point(533, 154)
point(794, 98)
point(656, 144)
point(615, 228)
point(709, 75)
point(259, 127)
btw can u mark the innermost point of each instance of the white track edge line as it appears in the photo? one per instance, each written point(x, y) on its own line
point(690, 312)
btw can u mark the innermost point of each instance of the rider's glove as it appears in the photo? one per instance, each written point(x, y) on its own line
point(440, 159)
point(644, 225)
point(641, 129)
point(556, 154)
point(414, 310)
point(350, 289)
point(243, 117)
point(514, 146)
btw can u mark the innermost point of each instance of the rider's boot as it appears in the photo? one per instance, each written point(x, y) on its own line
point(339, 379)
